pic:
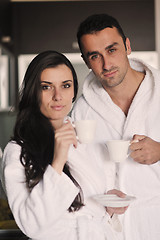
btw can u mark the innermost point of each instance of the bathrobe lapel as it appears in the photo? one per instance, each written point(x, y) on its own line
point(101, 102)
point(137, 116)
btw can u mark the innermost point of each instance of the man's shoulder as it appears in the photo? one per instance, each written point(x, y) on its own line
point(141, 66)
point(80, 100)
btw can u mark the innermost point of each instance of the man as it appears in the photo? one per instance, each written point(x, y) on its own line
point(124, 97)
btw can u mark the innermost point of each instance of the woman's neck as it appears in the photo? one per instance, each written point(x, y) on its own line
point(57, 123)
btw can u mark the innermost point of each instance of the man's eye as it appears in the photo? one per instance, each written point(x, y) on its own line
point(112, 50)
point(67, 85)
point(94, 57)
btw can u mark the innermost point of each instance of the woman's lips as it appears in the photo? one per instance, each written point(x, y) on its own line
point(57, 108)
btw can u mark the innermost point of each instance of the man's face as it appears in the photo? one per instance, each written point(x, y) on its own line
point(104, 52)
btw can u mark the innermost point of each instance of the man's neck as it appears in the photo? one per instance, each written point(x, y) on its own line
point(123, 94)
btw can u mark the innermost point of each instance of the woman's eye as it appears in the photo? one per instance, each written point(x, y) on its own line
point(66, 85)
point(45, 87)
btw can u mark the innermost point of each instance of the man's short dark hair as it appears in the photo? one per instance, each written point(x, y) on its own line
point(98, 22)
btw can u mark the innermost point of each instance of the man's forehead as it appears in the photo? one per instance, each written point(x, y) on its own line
point(100, 39)
point(107, 33)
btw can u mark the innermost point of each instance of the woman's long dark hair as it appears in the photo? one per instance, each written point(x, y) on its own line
point(33, 131)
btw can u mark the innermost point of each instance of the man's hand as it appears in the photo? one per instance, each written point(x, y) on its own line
point(144, 150)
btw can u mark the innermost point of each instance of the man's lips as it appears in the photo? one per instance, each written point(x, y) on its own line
point(110, 74)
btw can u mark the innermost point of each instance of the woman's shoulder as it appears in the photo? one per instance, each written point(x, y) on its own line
point(12, 146)
point(11, 151)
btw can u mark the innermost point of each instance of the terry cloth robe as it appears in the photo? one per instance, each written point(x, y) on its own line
point(142, 219)
point(42, 214)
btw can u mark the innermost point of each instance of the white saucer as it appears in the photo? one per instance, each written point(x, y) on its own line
point(112, 200)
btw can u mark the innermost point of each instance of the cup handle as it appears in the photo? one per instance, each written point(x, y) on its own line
point(73, 125)
point(134, 141)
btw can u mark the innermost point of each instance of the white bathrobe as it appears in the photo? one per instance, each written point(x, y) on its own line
point(43, 213)
point(142, 219)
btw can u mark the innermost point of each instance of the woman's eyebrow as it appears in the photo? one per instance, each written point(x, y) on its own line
point(46, 82)
point(65, 81)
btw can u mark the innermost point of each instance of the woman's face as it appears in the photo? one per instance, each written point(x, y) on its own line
point(57, 92)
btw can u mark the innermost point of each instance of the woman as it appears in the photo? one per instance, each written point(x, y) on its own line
point(46, 172)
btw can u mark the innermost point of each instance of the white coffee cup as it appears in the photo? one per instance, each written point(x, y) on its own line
point(85, 130)
point(118, 150)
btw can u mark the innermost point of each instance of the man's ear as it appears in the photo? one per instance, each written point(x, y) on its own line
point(86, 61)
point(128, 46)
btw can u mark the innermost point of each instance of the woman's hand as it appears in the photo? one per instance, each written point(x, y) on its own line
point(116, 210)
point(64, 137)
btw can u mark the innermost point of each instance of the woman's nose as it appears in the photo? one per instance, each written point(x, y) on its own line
point(57, 96)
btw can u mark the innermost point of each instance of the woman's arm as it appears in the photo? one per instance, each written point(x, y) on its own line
point(42, 207)
point(65, 136)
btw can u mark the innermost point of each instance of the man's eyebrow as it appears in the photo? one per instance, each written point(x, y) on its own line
point(96, 52)
point(111, 45)
point(91, 53)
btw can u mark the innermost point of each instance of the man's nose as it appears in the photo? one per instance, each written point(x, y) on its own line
point(106, 63)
